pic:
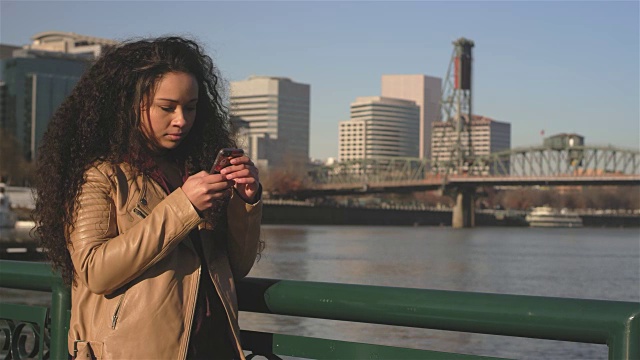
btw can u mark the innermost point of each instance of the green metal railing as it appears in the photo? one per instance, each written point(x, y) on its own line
point(613, 323)
point(35, 276)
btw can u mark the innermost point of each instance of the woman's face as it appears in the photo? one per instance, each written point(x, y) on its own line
point(169, 116)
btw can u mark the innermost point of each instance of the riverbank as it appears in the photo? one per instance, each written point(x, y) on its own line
point(304, 214)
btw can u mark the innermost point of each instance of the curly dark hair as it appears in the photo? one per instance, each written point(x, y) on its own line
point(100, 121)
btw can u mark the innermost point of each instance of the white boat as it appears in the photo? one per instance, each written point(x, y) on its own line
point(545, 216)
point(7, 217)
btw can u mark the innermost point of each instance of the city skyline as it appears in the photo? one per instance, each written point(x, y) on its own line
point(555, 67)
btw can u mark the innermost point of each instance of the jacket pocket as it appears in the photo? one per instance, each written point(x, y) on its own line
point(140, 212)
point(85, 350)
point(117, 312)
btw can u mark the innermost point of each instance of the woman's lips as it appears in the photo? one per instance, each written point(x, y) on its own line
point(175, 137)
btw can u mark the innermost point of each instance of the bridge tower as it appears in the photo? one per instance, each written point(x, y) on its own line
point(457, 114)
point(457, 105)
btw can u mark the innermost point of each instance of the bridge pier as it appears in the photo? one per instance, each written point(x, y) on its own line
point(463, 215)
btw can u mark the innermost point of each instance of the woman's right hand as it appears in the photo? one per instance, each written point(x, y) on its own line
point(203, 188)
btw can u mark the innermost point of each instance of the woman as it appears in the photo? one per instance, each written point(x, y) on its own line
point(150, 243)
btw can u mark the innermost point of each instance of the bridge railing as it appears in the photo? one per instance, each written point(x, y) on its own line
point(547, 161)
point(536, 161)
point(614, 323)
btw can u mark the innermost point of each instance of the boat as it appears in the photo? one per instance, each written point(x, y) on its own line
point(545, 216)
point(7, 217)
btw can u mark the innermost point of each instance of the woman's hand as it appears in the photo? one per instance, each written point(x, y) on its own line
point(203, 188)
point(244, 173)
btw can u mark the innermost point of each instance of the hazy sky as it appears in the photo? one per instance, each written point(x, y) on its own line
point(553, 66)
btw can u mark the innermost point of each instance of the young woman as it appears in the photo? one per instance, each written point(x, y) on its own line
point(149, 240)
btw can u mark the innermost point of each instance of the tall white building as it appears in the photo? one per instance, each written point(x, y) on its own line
point(380, 127)
point(276, 111)
point(487, 136)
point(426, 92)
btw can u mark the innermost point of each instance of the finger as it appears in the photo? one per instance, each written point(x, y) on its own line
point(236, 172)
point(220, 186)
point(243, 175)
point(241, 160)
point(236, 168)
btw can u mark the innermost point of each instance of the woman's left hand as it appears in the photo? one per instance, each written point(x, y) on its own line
point(245, 175)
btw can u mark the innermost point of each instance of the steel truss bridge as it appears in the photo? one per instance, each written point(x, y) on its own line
point(578, 165)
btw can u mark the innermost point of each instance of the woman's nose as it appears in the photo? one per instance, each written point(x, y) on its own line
point(179, 120)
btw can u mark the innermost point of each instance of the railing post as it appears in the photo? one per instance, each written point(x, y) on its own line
point(625, 343)
point(60, 305)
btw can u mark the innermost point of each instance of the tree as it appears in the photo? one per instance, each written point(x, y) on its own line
point(14, 168)
point(283, 181)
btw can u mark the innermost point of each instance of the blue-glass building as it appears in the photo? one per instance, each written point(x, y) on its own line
point(35, 79)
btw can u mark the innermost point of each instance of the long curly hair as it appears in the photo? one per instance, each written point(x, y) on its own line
point(100, 121)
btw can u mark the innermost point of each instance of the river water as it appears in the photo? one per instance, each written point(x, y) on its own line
point(592, 263)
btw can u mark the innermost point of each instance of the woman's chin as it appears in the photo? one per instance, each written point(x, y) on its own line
point(170, 145)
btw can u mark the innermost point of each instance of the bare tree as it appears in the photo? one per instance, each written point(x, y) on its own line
point(14, 168)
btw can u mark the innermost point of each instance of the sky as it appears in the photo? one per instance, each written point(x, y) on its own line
point(552, 66)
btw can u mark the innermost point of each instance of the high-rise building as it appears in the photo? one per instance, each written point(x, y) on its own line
point(69, 43)
point(487, 136)
point(6, 51)
point(35, 79)
point(276, 110)
point(380, 127)
point(426, 92)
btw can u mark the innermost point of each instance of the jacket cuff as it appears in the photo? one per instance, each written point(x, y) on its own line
point(258, 195)
point(238, 206)
point(183, 206)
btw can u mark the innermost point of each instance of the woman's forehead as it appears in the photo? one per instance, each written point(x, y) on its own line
point(176, 85)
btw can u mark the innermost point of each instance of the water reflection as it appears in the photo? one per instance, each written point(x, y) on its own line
point(276, 259)
point(545, 262)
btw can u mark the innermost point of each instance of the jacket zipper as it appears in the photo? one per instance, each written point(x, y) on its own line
point(114, 319)
point(228, 312)
point(192, 310)
point(141, 213)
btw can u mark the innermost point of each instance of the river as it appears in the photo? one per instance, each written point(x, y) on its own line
point(592, 263)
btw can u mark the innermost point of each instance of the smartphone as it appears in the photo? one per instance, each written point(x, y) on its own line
point(223, 159)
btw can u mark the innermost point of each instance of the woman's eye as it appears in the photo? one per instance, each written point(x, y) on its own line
point(167, 109)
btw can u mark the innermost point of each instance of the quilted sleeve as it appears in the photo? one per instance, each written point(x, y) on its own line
point(105, 260)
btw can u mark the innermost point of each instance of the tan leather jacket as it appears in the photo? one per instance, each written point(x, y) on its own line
point(138, 272)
